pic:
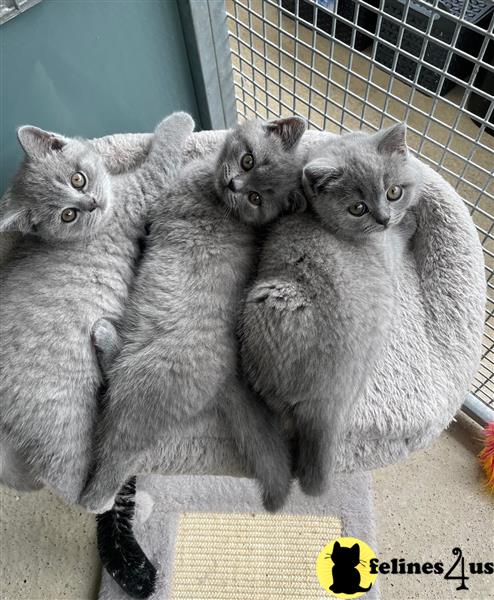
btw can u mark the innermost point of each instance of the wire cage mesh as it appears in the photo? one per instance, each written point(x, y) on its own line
point(366, 64)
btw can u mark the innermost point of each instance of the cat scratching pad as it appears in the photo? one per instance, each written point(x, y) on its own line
point(249, 556)
point(424, 370)
point(211, 539)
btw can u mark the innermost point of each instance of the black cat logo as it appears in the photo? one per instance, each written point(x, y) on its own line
point(346, 576)
point(343, 567)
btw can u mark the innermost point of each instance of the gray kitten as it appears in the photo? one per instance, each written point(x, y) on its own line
point(73, 265)
point(314, 321)
point(179, 355)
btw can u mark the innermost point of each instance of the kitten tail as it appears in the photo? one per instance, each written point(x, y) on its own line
point(120, 553)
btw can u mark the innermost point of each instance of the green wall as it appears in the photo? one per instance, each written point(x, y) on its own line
point(90, 68)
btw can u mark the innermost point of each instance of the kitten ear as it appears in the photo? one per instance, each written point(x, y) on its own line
point(392, 140)
point(356, 548)
point(289, 130)
point(12, 220)
point(318, 175)
point(336, 546)
point(36, 142)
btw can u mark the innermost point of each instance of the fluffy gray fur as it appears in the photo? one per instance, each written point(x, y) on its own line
point(61, 279)
point(421, 377)
point(315, 320)
point(179, 355)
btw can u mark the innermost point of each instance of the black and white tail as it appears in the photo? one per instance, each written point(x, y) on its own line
point(120, 553)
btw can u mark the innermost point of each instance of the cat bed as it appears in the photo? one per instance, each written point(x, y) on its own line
point(427, 365)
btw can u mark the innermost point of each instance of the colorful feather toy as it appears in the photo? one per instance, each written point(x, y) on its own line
point(486, 456)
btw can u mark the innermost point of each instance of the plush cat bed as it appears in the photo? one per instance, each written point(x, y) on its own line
point(427, 365)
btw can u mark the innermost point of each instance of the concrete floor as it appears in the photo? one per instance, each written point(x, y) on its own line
point(47, 550)
point(424, 507)
point(428, 505)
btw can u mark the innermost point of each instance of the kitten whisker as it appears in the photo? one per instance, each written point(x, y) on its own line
point(227, 213)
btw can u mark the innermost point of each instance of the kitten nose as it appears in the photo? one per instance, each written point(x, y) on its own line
point(382, 220)
point(92, 204)
point(235, 184)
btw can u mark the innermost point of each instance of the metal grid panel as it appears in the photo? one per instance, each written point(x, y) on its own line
point(367, 64)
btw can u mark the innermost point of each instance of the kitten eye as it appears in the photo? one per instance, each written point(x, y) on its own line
point(247, 162)
point(69, 215)
point(255, 198)
point(78, 180)
point(359, 209)
point(394, 192)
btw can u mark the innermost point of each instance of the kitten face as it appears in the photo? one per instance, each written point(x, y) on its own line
point(364, 184)
point(62, 191)
point(257, 169)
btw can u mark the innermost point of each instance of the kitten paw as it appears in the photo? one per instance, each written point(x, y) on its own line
point(102, 334)
point(275, 290)
point(100, 508)
point(105, 339)
point(276, 487)
point(274, 501)
point(96, 501)
point(312, 481)
point(178, 121)
point(144, 506)
point(277, 294)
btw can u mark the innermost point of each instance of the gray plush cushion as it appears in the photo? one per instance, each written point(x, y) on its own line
point(428, 363)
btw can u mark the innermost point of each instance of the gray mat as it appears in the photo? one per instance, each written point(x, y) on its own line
point(161, 500)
